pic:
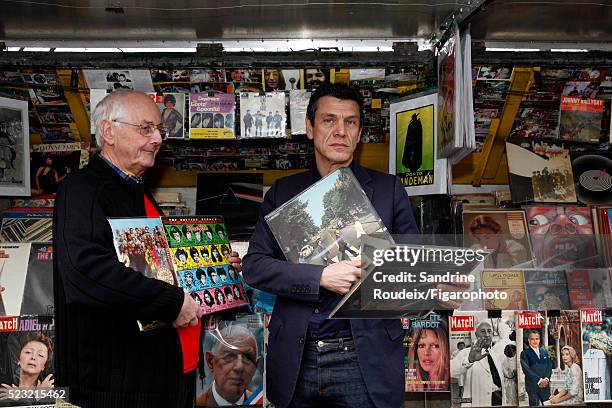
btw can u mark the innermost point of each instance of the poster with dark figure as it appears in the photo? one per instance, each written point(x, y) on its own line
point(237, 197)
point(412, 154)
point(413, 145)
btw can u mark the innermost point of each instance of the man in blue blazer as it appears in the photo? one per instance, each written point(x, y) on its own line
point(537, 368)
point(313, 361)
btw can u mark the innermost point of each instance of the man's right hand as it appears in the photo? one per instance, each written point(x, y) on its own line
point(189, 314)
point(476, 351)
point(341, 276)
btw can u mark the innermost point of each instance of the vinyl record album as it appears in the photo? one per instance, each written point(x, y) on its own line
point(593, 178)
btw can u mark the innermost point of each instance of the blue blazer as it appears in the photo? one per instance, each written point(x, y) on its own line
point(378, 342)
point(535, 368)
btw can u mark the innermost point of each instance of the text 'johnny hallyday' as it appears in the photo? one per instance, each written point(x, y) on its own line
point(413, 255)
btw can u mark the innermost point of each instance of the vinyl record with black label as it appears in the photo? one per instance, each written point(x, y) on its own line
point(593, 178)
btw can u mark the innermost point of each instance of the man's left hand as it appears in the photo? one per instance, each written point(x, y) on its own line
point(235, 260)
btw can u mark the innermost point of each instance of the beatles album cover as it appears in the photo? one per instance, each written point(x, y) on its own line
point(51, 163)
point(26, 357)
point(502, 231)
point(140, 244)
point(112, 79)
point(483, 359)
point(562, 236)
point(314, 77)
point(200, 251)
point(233, 362)
point(539, 172)
point(235, 196)
point(262, 115)
point(172, 108)
point(277, 79)
point(211, 115)
point(597, 354)
point(324, 223)
point(426, 353)
point(207, 75)
point(13, 271)
point(547, 289)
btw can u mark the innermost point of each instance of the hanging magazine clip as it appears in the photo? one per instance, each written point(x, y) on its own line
point(553, 313)
point(494, 314)
point(262, 94)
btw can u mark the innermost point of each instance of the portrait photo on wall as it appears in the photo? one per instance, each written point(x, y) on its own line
point(314, 77)
point(233, 363)
point(14, 148)
point(280, 79)
point(137, 79)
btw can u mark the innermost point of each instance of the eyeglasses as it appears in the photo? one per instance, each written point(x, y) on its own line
point(149, 129)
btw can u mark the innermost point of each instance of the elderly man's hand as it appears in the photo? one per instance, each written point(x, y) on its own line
point(235, 261)
point(341, 276)
point(189, 314)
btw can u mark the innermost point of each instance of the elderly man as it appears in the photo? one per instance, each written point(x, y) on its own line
point(304, 344)
point(100, 354)
point(480, 368)
point(233, 361)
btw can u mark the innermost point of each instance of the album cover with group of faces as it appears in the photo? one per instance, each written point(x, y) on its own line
point(200, 251)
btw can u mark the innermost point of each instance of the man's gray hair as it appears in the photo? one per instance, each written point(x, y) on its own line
point(110, 108)
point(230, 335)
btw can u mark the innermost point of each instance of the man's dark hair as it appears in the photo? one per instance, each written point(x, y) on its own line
point(340, 91)
point(169, 98)
point(193, 251)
